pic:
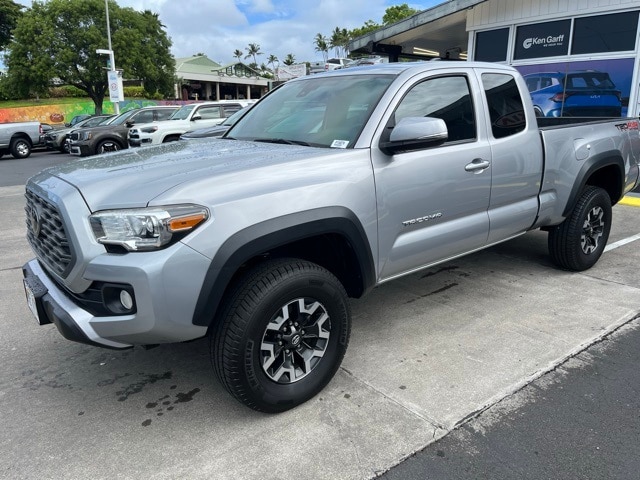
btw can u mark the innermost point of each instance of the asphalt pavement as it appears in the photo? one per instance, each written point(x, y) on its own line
point(498, 346)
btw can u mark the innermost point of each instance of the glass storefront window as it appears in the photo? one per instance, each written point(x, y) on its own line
point(491, 46)
point(605, 33)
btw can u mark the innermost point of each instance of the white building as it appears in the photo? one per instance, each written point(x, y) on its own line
point(564, 46)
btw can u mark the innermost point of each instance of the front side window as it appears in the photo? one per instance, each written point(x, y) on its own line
point(208, 112)
point(505, 104)
point(447, 98)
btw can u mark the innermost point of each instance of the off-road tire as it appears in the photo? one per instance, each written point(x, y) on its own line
point(296, 303)
point(578, 242)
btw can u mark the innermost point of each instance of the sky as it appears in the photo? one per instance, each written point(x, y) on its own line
point(218, 27)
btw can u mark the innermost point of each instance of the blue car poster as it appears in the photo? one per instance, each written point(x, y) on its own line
point(593, 88)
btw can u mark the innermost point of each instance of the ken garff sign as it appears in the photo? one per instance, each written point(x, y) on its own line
point(547, 39)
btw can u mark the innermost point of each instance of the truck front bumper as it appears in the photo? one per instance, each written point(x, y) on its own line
point(50, 304)
point(163, 285)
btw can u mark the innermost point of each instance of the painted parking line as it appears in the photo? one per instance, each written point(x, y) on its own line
point(622, 242)
point(631, 201)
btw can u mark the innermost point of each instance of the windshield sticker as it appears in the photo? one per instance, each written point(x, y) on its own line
point(339, 144)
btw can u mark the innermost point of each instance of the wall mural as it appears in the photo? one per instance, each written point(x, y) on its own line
point(60, 114)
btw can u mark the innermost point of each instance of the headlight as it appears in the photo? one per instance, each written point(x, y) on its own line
point(52, 136)
point(85, 135)
point(149, 129)
point(146, 229)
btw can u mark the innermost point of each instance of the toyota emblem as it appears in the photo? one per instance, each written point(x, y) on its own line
point(35, 220)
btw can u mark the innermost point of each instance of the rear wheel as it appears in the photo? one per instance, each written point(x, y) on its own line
point(282, 335)
point(108, 146)
point(20, 148)
point(578, 242)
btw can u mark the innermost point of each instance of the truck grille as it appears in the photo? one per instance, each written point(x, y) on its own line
point(46, 234)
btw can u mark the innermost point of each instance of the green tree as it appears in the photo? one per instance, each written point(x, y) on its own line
point(238, 54)
point(252, 51)
point(368, 27)
point(322, 45)
point(290, 59)
point(396, 13)
point(272, 60)
point(45, 47)
point(339, 41)
point(10, 12)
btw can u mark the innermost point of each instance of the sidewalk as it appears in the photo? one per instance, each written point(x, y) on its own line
point(580, 421)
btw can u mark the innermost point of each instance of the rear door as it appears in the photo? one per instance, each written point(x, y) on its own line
point(517, 157)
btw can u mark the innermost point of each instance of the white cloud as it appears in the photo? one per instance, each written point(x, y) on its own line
point(218, 27)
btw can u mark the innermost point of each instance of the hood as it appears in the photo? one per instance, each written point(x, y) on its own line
point(134, 177)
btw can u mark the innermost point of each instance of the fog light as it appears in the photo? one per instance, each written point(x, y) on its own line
point(126, 300)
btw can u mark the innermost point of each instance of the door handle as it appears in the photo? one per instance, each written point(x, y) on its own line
point(477, 166)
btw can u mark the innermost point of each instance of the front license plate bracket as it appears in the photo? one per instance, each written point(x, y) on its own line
point(34, 290)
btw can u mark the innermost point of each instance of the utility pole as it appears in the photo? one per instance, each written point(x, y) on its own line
point(112, 63)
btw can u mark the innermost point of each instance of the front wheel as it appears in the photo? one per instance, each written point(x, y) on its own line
point(20, 148)
point(107, 146)
point(578, 242)
point(282, 335)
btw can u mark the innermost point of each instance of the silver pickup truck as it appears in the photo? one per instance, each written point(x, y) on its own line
point(19, 138)
point(330, 185)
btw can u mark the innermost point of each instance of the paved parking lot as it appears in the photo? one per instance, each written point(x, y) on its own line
point(427, 352)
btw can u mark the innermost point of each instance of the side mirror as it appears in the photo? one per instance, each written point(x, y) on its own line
point(129, 123)
point(412, 133)
point(196, 117)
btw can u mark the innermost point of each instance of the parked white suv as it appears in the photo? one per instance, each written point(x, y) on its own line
point(188, 117)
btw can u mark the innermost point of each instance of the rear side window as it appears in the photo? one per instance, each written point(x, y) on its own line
point(447, 98)
point(164, 113)
point(505, 104)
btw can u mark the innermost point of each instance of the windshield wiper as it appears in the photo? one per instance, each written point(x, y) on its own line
point(281, 140)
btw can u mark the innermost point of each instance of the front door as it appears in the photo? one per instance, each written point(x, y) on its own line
point(432, 203)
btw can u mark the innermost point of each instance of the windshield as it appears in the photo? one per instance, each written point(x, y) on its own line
point(182, 113)
point(123, 117)
point(321, 112)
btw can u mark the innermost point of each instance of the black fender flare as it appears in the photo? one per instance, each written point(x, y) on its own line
point(592, 164)
point(270, 234)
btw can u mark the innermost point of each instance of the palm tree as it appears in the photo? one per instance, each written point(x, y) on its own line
point(252, 50)
point(322, 45)
point(290, 59)
point(339, 40)
point(238, 54)
point(272, 60)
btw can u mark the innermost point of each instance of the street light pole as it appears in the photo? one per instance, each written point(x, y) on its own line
point(112, 61)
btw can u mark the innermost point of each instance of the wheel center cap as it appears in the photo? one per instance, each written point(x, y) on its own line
point(295, 340)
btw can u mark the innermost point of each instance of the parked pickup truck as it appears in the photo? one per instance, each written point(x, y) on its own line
point(19, 138)
point(188, 117)
point(331, 64)
point(328, 186)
